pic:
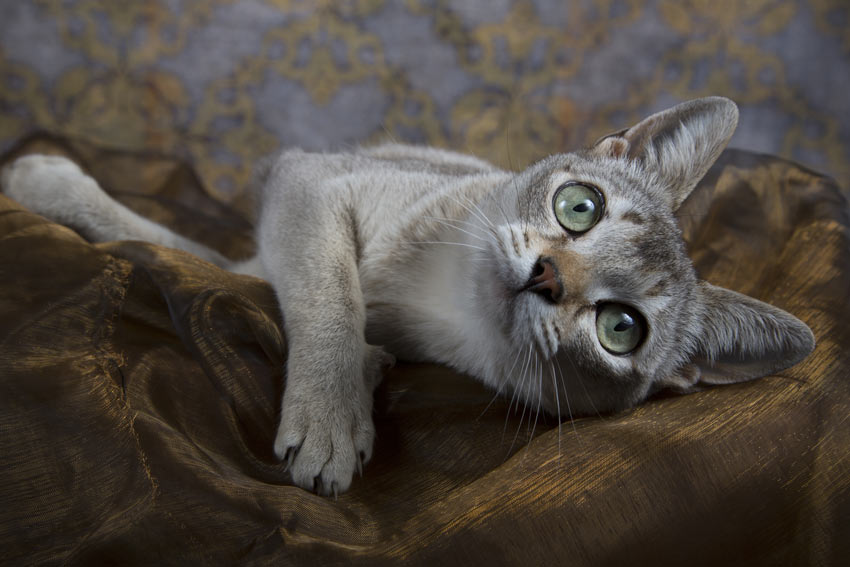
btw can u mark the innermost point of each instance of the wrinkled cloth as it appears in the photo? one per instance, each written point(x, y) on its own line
point(140, 390)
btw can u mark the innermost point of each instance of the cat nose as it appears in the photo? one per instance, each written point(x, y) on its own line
point(544, 281)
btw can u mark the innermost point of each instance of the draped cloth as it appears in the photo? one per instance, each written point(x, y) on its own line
point(140, 390)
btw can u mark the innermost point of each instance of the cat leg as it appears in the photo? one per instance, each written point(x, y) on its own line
point(55, 187)
point(308, 249)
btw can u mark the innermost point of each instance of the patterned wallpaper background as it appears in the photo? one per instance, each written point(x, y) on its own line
point(222, 82)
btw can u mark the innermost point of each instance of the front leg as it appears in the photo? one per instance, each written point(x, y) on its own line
point(326, 430)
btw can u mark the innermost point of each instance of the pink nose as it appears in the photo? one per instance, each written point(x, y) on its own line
point(544, 281)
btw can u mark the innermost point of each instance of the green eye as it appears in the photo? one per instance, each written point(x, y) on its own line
point(578, 207)
point(620, 328)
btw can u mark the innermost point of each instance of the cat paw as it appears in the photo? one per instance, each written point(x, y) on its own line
point(52, 186)
point(323, 443)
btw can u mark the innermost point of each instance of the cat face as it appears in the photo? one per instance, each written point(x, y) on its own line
point(591, 284)
point(593, 277)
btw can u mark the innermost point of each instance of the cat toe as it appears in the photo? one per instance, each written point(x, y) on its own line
point(324, 459)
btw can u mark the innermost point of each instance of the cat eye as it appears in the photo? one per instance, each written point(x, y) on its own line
point(620, 328)
point(578, 207)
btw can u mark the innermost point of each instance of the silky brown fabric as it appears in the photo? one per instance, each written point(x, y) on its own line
point(139, 391)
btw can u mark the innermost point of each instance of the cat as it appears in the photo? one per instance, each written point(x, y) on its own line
point(566, 284)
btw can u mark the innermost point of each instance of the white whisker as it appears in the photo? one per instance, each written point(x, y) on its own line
point(577, 375)
point(504, 380)
point(477, 212)
point(447, 243)
point(465, 205)
point(519, 426)
point(567, 399)
point(521, 376)
point(557, 405)
point(539, 367)
point(525, 406)
point(510, 164)
point(447, 223)
point(516, 390)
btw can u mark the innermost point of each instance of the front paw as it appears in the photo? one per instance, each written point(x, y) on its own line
point(325, 441)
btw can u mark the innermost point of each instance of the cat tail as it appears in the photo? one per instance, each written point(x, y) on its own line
point(58, 189)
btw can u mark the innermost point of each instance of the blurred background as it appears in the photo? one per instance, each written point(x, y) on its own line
point(220, 83)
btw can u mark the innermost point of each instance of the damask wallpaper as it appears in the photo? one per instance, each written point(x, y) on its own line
point(222, 82)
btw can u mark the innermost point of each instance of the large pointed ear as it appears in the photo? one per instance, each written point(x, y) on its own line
point(678, 144)
point(741, 338)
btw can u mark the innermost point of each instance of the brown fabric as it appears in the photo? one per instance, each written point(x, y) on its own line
point(139, 389)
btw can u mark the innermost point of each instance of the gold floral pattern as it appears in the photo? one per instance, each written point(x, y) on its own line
point(223, 82)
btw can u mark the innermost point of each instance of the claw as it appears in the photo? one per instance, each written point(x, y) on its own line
point(334, 489)
point(360, 456)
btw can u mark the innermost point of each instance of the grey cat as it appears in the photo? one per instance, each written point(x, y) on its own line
point(566, 284)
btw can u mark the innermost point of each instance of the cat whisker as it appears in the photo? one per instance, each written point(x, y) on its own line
point(516, 390)
point(567, 399)
point(557, 405)
point(527, 378)
point(489, 226)
point(539, 366)
point(466, 202)
point(493, 398)
point(502, 210)
point(511, 165)
point(518, 428)
point(576, 373)
point(589, 399)
point(504, 380)
point(544, 346)
point(460, 221)
point(481, 214)
point(448, 222)
point(516, 396)
point(389, 134)
point(498, 203)
point(517, 193)
point(447, 243)
point(525, 404)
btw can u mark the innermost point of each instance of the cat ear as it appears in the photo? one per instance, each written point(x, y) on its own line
point(678, 144)
point(741, 338)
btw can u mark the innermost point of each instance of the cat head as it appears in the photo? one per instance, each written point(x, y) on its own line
point(593, 282)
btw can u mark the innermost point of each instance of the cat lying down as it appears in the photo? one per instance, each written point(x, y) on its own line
point(566, 285)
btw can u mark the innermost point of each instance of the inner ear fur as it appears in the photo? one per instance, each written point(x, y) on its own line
point(740, 339)
point(678, 144)
point(743, 338)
